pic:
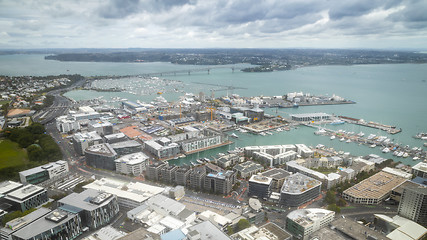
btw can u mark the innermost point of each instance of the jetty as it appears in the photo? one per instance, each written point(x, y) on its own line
point(361, 122)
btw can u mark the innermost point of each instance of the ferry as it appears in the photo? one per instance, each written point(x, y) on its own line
point(337, 122)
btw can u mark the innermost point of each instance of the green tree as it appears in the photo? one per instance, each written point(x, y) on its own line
point(330, 197)
point(242, 224)
point(25, 139)
point(35, 153)
point(334, 207)
point(341, 202)
point(230, 230)
point(36, 128)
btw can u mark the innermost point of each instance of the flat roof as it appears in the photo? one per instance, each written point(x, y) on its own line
point(308, 216)
point(125, 144)
point(168, 204)
point(376, 186)
point(260, 179)
point(53, 219)
point(133, 158)
point(89, 199)
point(18, 223)
point(208, 231)
point(310, 115)
point(103, 148)
point(274, 229)
point(26, 191)
point(298, 183)
point(9, 186)
point(115, 136)
point(356, 230)
point(276, 173)
point(42, 168)
point(421, 166)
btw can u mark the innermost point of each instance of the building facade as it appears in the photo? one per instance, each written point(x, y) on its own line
point(413, 204)
point(298, 189)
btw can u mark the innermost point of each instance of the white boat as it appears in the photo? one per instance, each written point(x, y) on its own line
point(361, 134)
point(332, 137)
point(342, 139)
point(262, 134)
point(234, 135)
point(395, 153)
point(416, 158)
point(348, 141)
point(269, 133)
point(400, 154)
point(405, 155)
point(321, 131)
point(372, 146)
point(320, 146)
point(386, 150)
point(371, 136)
point(279, 130)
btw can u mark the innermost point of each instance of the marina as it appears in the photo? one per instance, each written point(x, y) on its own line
point(383, 127)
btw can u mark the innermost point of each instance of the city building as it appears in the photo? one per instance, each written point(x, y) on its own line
point(413, 204)
point(96, 209)
point(42, 173)
point(328, 181)
point(221, 182)
point(134, 163)
point(154, 170)
point(66, 124)
point(20, 223)
point(81, 141)
point(398, 228)
point(126, 147)
point(115, 137)
point(206, 231)
point(268, 231)
point(374, 189)
point(162, 148)
point(273, 155)
point(277, 176)
point(56, 224)
point(197, 178)
point(254, 212)
point(102, 128)
point(101, 156)
point(260, 187)
point(129, 195)
point(302, 223)
point(298, 189)
point(26, 197)
point(248, 168)
point(168, 174)
point(420, 170)
point(350, 229)
point(182, 176)
point(304, 151)
point(309, 117)
point(228, 160)
point(209, 139)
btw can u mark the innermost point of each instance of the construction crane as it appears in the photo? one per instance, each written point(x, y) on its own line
point(212, 109)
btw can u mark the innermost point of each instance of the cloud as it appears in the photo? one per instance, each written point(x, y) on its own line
point(213, 23)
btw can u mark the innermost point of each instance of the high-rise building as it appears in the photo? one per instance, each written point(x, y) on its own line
point(413, 204)
point(303, 222)
point(298, 189)
point(260, 187)
point(221, 182)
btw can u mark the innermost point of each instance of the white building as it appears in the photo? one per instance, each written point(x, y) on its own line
point(134, 163)
point(303, 222)
point(42, 173)
point(81, 141)
point(66, 124)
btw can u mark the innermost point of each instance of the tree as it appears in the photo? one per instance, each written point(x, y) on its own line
point(341, 202)
point(242, 224)
point(35, 153)
point(334, 207)
point(330, 197)
point(230, 230)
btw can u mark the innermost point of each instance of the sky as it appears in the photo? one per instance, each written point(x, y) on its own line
point(377, 24)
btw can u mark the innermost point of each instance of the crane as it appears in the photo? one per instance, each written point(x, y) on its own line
point(212, 109)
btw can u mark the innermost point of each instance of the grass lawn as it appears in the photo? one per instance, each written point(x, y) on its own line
point(11, 155)
point(4, 101)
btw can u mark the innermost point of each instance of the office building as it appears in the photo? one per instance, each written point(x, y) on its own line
point(162, 148)
point(26, 197)
point(182, 176)
point(116, 137)
point(260, 187)
point(81, 141)
point(134, 163)
point(298, 189)
point(420, 170)
point(197, 178)
point(101, 156)
point(303, 222)
point(277, 176)
point(40, 174)
point(126, 147)
point(95, 208)
point(168, 174)
point(248, 168)
point(413, 204)
point(268, 231)
point(154, 171)
point(221, 182)
point(66, 124)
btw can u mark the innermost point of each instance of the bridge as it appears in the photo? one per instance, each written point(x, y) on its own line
point(187, 71)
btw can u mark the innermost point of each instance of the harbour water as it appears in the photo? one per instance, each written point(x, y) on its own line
point(385, 93)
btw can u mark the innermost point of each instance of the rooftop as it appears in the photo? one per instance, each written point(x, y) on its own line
point(260, 179)
point(88, 200)
point(45, 167)
point(309, 216)
point(133, 158)
point(276, 173)
point(24, 192)
point(125, 144)
point(299, 183)
point(355, 230)
point(8, 186)
point(103, 149)
point(208, 231)
point(377, 186)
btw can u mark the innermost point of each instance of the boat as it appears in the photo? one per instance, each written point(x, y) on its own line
point(342, 139)
point(348, 141)
point(337, 122)
point(405, 155)
point(332, 137)
point(269, 133)
point(199, 161)
point(372, 146)
point(420, 135)
point(234, 135)
point(262, 134)
point(371, 136)
point(361, 134)
point(385, 150)
point(295, 105)
point(400, 154)
point(395, 153)
point(320, 132)
point(416, 158)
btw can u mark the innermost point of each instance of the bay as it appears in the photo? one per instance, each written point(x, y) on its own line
point(392, 94)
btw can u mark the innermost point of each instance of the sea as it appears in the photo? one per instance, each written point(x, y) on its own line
point(392, 94)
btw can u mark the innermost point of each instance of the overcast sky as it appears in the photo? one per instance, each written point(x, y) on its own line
point(213, 23)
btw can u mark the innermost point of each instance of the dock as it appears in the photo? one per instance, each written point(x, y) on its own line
point(361, 122)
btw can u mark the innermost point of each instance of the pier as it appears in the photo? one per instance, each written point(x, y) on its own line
point(187, 71)
point(361, 122)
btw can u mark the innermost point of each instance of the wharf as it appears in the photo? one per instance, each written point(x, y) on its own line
point(361, 122)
